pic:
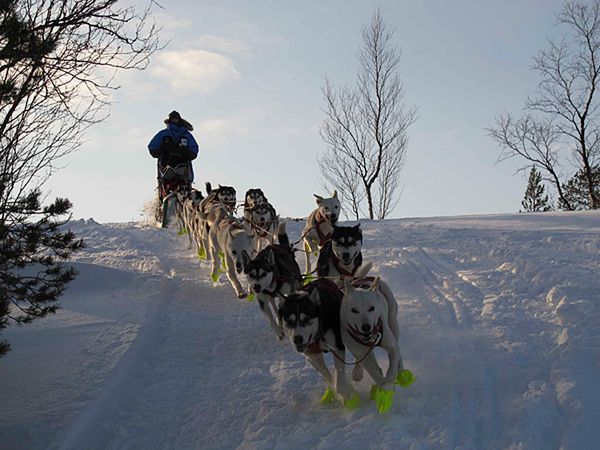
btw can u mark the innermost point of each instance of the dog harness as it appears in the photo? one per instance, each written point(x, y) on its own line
point(343, 272)
point(232, 222)
point(323, 238)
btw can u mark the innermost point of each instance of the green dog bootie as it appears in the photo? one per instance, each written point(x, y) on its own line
point(384, 399)
point(251, 296)
point(328, 397)
point(215, 276)
point(373, 392)
point(405, 378)
point(353, 402)
point(202, 253)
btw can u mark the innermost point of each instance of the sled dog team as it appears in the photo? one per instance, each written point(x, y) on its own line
point(342, 309)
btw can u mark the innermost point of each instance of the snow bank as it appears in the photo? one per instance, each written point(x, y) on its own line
point(499, 320)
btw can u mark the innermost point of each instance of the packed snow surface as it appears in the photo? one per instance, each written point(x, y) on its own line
point(499, 321)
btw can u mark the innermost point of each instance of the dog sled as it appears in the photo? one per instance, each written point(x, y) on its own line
point(170, 180)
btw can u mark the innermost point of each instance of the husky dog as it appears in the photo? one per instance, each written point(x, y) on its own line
point(231, 238)
point(264, 222)
point(311, 319)
point(273, 274)
point(223, 194)
point(191, 205)
point(253, 197)
point(319, 225)
point(341, 257)
point(368, 319)
point(181, 194)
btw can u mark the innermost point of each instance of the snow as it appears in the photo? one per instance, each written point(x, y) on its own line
point(499, 320)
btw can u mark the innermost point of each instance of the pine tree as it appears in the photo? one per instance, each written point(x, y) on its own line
point(53, 54)
point(577, 192)
point(535, 199)
point(33, 247)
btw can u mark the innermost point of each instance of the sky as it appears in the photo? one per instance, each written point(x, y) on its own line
point(248, 76)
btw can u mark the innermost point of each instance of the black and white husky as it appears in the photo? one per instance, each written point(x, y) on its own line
point(341, 257)
point(264, 222)
point(273, 274)
point(311, 320)
point(319, 225)
point(223, 194)
point(252, 198)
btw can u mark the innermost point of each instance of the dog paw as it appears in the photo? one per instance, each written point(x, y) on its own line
point(328, 397)
point(201, 254)
point(357, 373)
point(405, 378)
point(251, 296)
point(384, 398)
point(353, 402)
point(215, 277)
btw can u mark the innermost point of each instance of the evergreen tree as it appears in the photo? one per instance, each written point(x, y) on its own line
point(577, 192)
point(32, 248)
point(53, 54)
point(535, 199)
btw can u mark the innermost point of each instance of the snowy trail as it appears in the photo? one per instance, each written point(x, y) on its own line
point(499, 319)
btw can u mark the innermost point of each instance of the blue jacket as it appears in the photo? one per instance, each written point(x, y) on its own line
point(176, 132)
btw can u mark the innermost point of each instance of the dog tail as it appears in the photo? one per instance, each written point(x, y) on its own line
point(208, 187)
point(282, 236)
point(363, 270)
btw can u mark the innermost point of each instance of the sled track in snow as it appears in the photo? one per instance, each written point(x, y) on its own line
point(472, 420)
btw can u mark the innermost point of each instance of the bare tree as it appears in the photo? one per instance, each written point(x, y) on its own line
point(536, 142)
point(567, 97)
point(365, 127)
point(58, 59)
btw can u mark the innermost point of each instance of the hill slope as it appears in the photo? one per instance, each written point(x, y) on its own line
point(499, 319)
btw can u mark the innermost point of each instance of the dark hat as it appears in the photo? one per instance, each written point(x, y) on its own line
point(172, 116)
point(182, 122)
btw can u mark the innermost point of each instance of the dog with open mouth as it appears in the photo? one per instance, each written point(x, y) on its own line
point(253, 197)
point(368, 319)
point(225, 195)
point(341, 257)
point(273, 274)
point(311, 320)
point(263, 221)
point(319, 225)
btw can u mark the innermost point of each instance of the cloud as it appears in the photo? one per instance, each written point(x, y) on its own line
point(217, 130)
point(199, 70)
point(222, 44)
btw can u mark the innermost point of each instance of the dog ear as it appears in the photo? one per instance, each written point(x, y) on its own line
point(334, 194)
point(314, 297)
point(374, 285)
point(319, 199)
point(357, 226)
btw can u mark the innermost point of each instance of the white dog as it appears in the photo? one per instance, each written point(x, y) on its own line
point(319, 225)
point(231, 238)
point(368, 319)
